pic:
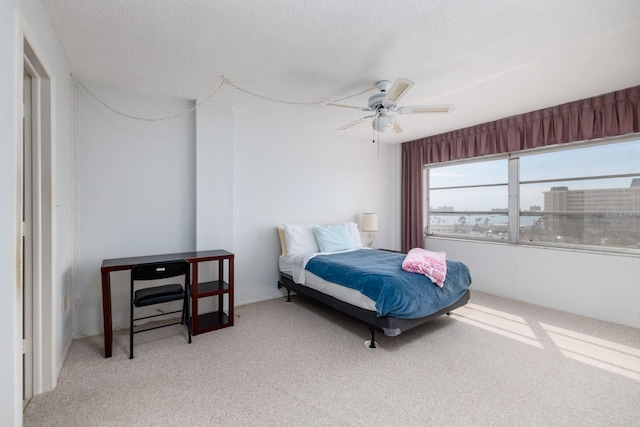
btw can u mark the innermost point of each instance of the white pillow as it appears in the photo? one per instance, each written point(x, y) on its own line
point(356, 238)
point(333, 238)
point(300, 239)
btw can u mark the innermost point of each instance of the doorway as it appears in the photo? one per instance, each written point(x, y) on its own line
point(36, 231)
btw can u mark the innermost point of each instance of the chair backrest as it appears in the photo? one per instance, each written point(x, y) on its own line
point(160, 270)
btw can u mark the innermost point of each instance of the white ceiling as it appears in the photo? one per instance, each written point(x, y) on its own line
point(491, 58)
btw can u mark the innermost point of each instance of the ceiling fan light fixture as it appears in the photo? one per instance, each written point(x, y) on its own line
point(382, 123)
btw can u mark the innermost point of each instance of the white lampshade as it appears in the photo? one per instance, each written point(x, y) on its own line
point(369, 222)
point(382, 123)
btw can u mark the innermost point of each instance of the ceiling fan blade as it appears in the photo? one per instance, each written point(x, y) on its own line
point(447, 108)
point(334, 104)
point(397, 90)
point(396, 126)
point(355, 122)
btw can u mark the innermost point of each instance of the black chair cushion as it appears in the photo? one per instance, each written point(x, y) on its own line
point(158, 294)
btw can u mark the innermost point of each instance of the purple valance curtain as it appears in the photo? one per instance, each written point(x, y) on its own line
point(612, 114)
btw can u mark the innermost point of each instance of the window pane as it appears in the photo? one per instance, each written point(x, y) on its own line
point(584, 195)
point(470, 199)
point(610, 159)
point(611, 229)
point(492, 226)
point(478, 208)
point(591, 211)
point(478, 173)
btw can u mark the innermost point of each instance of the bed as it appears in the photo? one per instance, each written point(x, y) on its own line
point(367, 284)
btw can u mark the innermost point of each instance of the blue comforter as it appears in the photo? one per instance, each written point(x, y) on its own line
point(398, 293)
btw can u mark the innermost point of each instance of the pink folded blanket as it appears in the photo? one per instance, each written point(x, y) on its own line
point(431, 264)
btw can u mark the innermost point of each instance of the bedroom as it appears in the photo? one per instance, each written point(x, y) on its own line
point(267, 157)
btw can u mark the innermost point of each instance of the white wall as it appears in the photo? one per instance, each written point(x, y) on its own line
point(214, 177)
point(240, 176)
point(600, 286)
point(9, 363)
point(137, 191)
point(289, 174)
point(12, 14)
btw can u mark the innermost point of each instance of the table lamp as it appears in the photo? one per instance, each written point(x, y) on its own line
point(369, 224)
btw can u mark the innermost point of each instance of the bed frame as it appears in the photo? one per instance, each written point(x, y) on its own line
point(390, 326)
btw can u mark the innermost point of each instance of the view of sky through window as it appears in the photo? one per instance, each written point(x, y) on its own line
point(610, 159)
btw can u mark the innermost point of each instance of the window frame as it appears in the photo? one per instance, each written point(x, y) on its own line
point(514, 183)
point(426, 205)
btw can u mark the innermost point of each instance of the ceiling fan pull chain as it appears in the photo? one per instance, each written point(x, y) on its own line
point(373, 131)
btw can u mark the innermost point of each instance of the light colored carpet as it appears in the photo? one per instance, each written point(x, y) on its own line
point(494, 362)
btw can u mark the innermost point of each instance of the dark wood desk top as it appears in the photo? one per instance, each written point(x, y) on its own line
point(126, 263)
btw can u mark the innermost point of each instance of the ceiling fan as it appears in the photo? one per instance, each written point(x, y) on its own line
point(385, 102)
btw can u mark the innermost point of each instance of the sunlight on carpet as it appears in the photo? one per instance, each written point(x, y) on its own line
point(597, 352)
point(499, 322)
point(610, 356)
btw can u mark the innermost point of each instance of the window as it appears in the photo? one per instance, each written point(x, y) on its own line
point(579, 196)
point(469, 199)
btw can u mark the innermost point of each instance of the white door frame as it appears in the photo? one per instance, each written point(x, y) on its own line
point(45, 361)
point(26, 252)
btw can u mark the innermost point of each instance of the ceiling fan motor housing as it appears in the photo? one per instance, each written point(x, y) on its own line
point(376, 101)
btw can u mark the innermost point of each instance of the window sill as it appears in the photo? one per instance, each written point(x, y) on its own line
point(633, 253)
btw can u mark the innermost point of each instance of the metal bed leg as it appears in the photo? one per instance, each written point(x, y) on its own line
point(288, 301)
point(371, 343)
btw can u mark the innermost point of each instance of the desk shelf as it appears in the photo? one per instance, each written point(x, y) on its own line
point(212, 321)
point(218, 289)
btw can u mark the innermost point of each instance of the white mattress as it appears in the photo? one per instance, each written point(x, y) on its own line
point(340, 292)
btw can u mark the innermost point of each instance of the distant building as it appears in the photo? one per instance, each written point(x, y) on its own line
point(441, 208)
point(615, 207)
point(601, 200)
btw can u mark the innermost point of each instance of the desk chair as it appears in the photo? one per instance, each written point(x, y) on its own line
point(160, 294)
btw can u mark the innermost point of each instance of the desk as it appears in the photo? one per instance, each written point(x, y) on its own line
point(119, 264)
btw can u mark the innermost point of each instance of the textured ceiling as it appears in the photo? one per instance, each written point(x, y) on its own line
point(491, 59)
